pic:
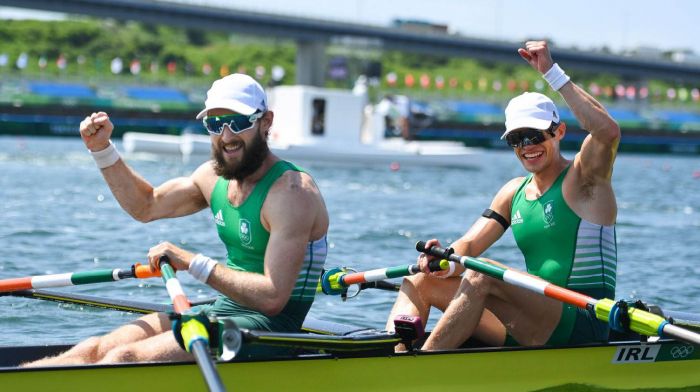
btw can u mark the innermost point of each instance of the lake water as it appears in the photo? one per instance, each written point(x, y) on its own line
point(57, 215)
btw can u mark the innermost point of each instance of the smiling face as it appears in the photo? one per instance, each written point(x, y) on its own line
point(237, 156)
point(537, 157)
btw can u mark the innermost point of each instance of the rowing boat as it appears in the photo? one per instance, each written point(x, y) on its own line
point(347, 358)
point(622, 365)
point(367, 355)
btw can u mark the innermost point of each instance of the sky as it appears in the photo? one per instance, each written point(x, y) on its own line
point(585, 24)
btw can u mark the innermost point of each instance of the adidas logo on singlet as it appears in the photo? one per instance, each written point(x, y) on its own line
point(516, 218)
point(219, 219)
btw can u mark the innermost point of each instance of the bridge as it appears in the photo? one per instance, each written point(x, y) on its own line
point(312, 36)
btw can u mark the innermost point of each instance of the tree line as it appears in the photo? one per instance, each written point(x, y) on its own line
point(96, 50)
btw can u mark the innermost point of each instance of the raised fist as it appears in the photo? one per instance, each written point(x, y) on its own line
point(96, 130)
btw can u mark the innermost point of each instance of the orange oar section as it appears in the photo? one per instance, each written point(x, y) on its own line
point(144, 271)
point(180, 303)
point(15, 284)
point(568, 296)
point(356, 278)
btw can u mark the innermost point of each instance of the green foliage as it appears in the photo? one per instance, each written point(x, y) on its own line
point(89, 45)
point(98, 42)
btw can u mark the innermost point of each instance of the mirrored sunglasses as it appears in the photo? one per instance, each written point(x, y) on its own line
point(528, 136)
point(237, 123)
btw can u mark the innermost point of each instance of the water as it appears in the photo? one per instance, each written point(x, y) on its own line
point(59, 216)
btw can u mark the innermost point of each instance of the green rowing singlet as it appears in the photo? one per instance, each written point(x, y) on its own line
point(564, 249)
point(246, 240)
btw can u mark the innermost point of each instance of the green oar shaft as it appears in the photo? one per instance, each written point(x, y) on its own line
point(640, 321)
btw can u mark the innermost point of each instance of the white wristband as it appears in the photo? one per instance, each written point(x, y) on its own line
point(201, 267)
point(556, 77)
point(107, 157)
point(450, 271)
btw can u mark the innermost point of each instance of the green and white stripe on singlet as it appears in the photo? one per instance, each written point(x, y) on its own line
point(595, 258)
point(311, 270)
point(561, 247)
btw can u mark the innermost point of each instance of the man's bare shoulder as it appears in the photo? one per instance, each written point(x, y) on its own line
point(294, 202)
point(510, 187)
point(205, 178)
point(295, 182)
point(204, 172)
point(504, 196)
point(298, 189)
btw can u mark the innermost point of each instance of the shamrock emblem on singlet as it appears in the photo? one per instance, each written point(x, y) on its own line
point(244, 232)
point(549, 213)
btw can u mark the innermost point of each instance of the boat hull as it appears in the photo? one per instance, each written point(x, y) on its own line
point(665, 365)
point(396, 152)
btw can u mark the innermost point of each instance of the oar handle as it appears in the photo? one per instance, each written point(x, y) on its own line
point(433, 266)
point(436, 251)
point(437, 265)
point(144, 271)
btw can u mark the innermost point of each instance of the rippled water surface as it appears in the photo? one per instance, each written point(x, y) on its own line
point(57, 215)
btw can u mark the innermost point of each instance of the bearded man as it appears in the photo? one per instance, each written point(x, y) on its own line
point(269, 214)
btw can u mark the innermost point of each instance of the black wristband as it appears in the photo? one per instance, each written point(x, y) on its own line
point(491, 214)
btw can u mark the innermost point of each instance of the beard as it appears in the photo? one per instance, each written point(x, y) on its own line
point(253, 157)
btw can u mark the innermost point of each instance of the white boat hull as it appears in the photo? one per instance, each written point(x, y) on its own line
point(394, 153)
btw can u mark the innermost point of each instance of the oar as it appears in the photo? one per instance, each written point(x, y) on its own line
point(641, 321)
point(336, 280)
point(194, 333)
point(94, 301)
point(76, 278)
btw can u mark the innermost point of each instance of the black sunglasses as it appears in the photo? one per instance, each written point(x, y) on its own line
point(529, 136)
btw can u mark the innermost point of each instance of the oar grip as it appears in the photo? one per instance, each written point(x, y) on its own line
point(435, 250)
point(437, 264)
point(144, 271)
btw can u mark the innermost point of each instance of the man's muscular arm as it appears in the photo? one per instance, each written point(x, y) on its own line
point(598, 151)
point(177, 197)
point(293, 209)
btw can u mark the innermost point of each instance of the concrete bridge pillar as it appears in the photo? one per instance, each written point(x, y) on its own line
point(310, 63)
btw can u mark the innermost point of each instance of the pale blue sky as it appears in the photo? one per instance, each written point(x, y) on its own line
point(618, 24)
point(622, 24)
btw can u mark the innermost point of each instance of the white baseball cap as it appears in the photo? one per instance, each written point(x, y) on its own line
point(237, 92)
point(530, 110)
